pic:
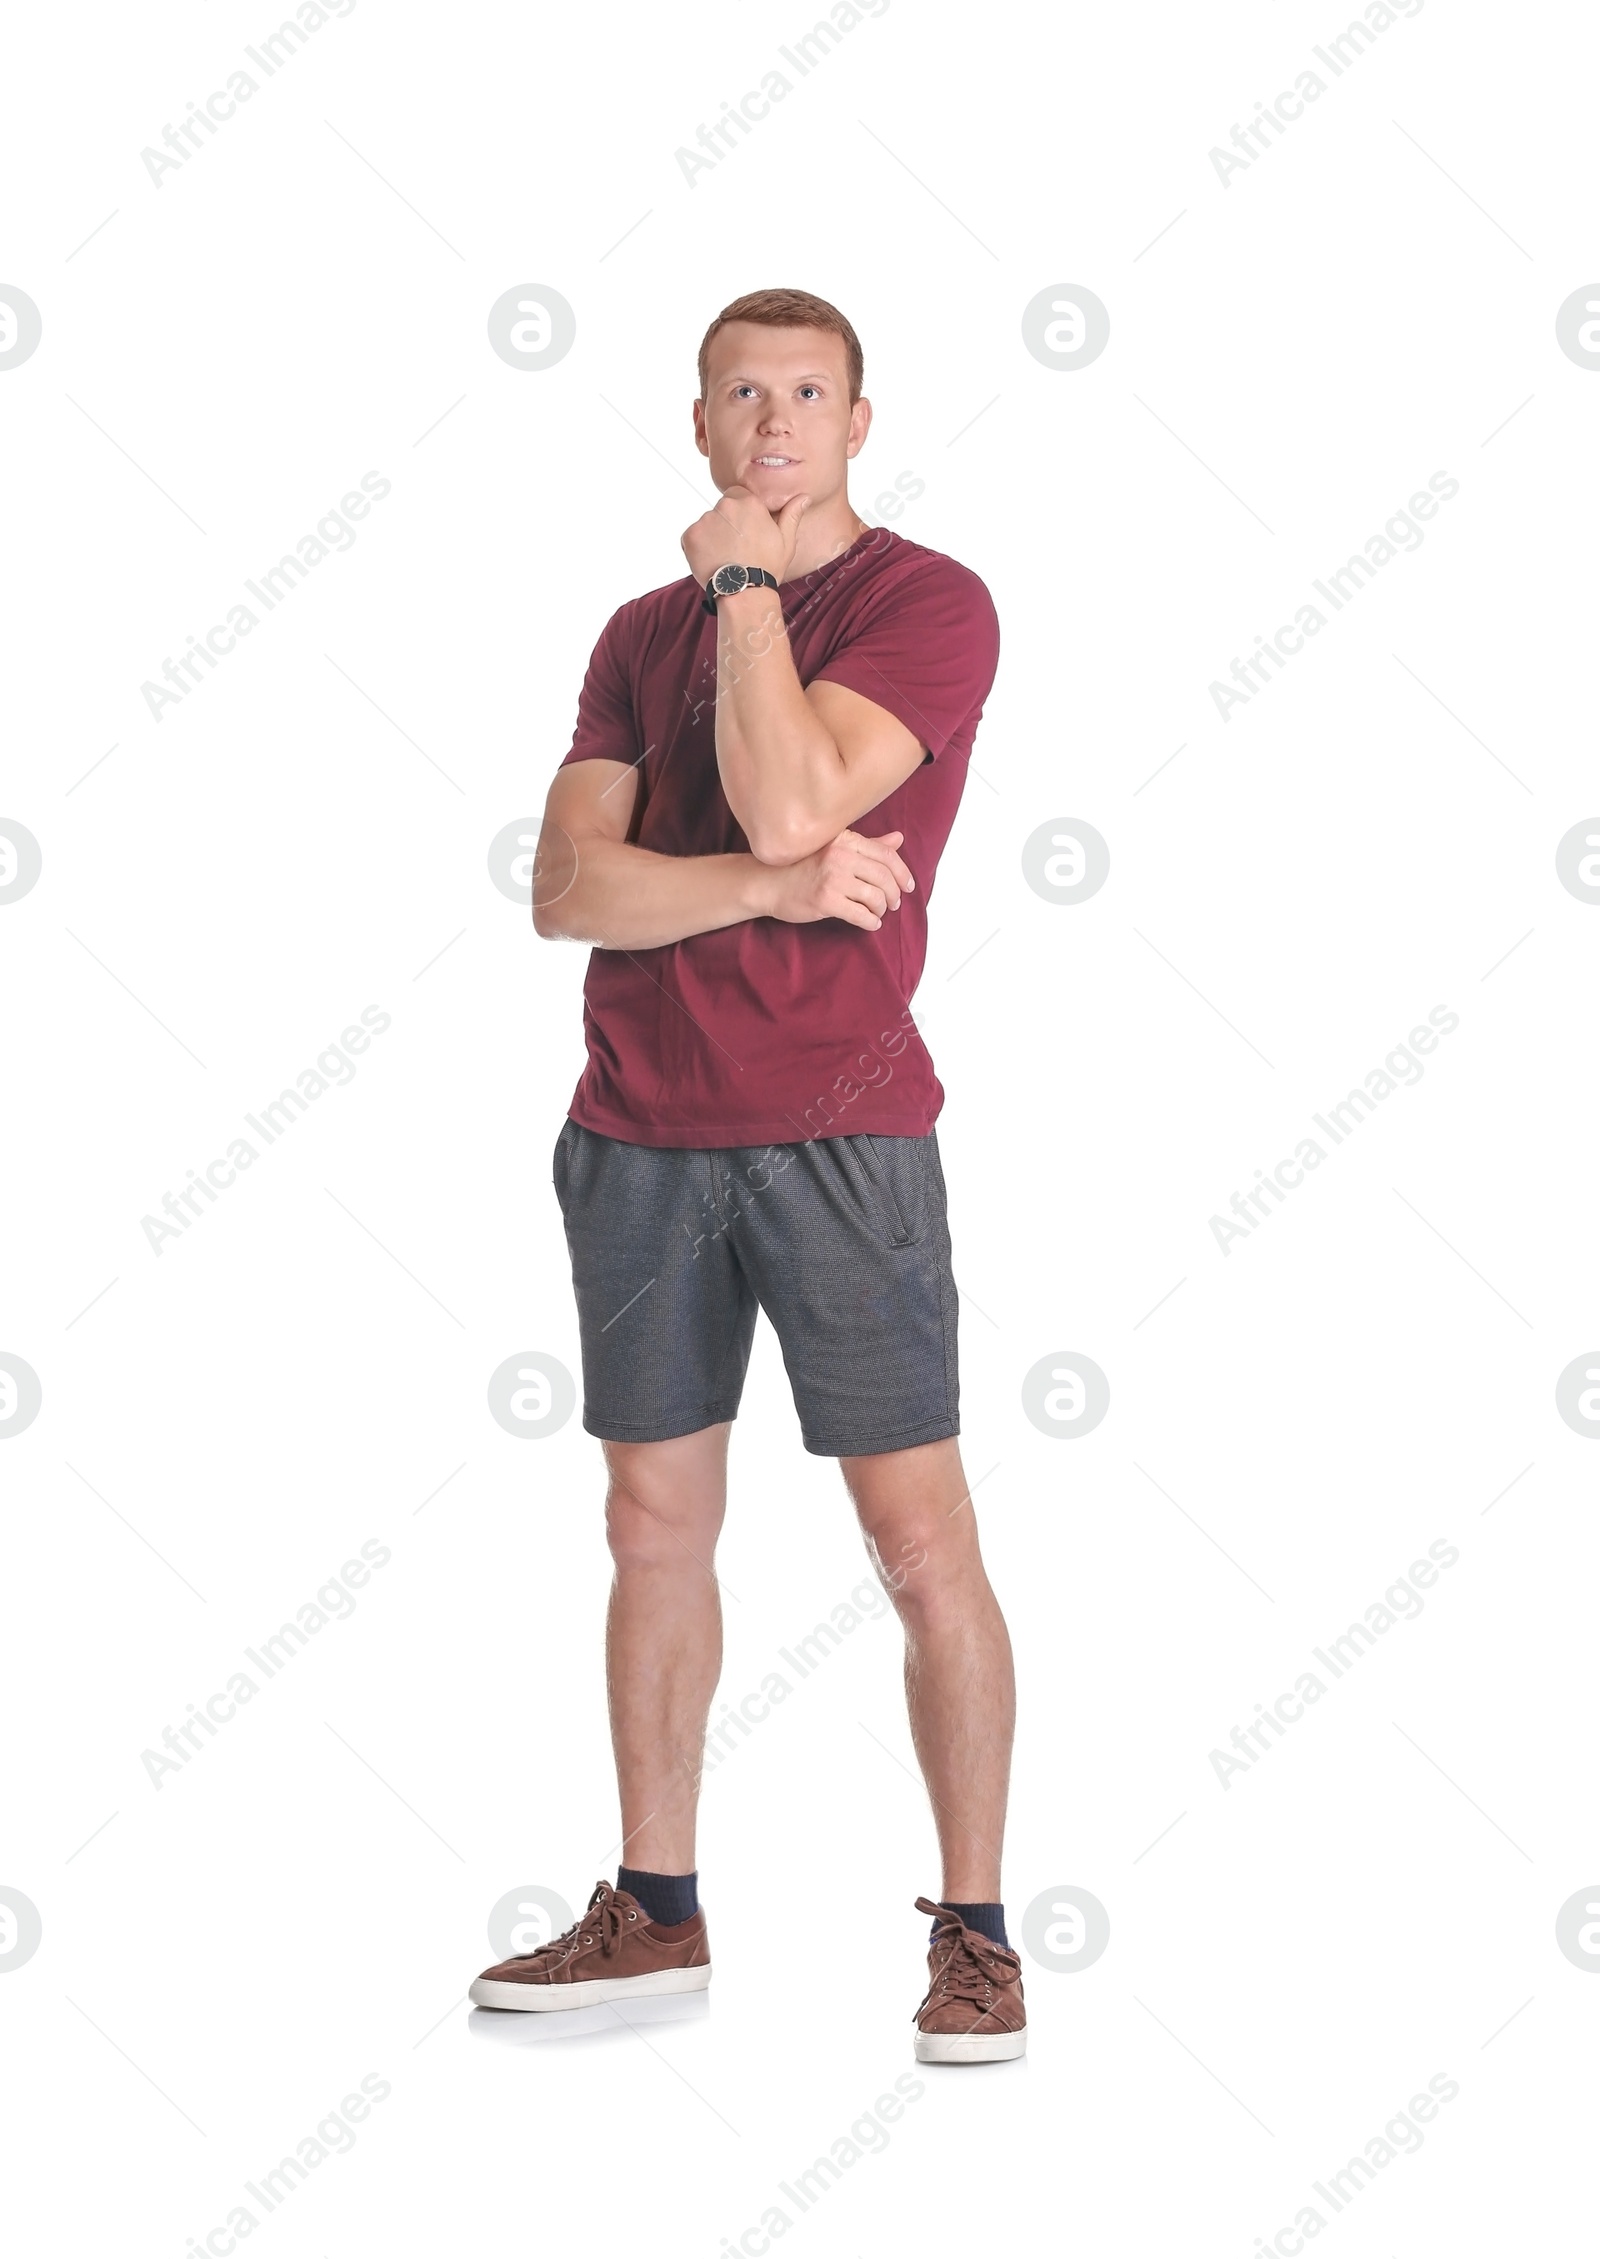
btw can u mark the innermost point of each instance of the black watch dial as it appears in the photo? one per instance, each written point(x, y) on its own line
point(727, 580)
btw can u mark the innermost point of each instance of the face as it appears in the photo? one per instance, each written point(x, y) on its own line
point(777, 415)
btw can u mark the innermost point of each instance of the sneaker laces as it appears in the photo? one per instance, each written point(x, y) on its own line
point(602, 1918)
point(973, 1965)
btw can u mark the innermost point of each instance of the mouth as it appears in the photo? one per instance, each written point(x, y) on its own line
point(774, 462)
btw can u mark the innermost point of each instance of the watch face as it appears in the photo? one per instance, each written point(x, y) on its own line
point(727, 580)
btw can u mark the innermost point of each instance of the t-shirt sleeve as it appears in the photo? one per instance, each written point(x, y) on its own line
point(927, 653)
point(607, 728)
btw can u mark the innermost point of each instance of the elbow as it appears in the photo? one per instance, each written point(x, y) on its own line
point(780, 840)
point(556, 870)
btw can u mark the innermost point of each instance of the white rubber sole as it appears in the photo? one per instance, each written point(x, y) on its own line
point(971, 2047)
point(487, 1992)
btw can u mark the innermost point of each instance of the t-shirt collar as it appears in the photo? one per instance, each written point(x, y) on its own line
point(868, 533)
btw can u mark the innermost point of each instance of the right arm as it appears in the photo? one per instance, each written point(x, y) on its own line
point(591, 885)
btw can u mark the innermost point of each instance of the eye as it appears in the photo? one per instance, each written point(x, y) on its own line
point(813, 389)
point(738, 388)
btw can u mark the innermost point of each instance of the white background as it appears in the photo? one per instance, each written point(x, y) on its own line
point(1292, 1956)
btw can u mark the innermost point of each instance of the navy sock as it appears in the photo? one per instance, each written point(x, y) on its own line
point(990, 1919)
point(665, 1898)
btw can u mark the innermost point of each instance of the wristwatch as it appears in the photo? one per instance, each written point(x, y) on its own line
point(727, 580)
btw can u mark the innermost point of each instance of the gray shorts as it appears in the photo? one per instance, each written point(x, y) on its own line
point(841, 1240)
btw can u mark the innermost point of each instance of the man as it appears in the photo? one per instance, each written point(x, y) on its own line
point(768, 759)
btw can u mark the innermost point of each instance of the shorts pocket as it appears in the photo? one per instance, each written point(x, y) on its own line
point(558, 1160)
point(890, 1185)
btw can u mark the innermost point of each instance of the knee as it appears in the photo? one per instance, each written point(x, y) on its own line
point(634, 1534)
point(659, 1531)
point(924, 1563)
point(915, 1511)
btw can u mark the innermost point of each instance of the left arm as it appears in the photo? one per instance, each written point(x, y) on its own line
point(798, 766)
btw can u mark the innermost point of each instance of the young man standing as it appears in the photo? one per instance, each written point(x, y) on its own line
point(768, 759)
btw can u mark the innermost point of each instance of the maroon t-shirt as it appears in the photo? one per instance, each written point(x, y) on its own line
point(767, 1033)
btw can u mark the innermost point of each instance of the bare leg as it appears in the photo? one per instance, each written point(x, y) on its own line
point(664, 1509)
point(917, 1519)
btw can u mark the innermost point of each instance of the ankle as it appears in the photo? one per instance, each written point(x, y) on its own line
point(666, 1899)
point(987, 1915)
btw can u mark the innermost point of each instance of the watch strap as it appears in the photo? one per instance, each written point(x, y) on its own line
point(756, 576)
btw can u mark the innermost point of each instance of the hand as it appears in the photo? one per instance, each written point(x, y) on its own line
point(741, 530)
point(856, 879)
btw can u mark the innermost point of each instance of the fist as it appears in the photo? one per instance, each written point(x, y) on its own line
point(741, 530)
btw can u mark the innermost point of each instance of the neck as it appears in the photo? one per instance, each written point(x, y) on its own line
point(824, 534)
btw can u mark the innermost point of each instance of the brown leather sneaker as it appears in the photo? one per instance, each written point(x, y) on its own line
point(612, 1952)
point(973, 2010)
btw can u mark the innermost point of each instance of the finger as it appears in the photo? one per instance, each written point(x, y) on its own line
point(887, 864)
point(855, 914)
point(882, 881)
point(864, 890)
point(888, 841)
